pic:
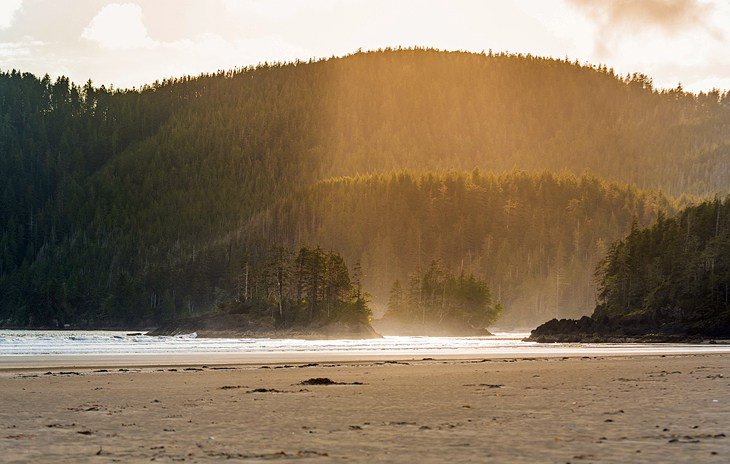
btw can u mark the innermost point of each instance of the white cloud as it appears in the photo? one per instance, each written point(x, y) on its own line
point(203, 53)
point(119, 27)
point(217, 51)
point(18, 50)
point(280, 9)
point(713, 82)
point(8, 8)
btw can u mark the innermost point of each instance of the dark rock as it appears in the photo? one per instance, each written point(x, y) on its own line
point(628, 329)
point(230, 325)
point(326, 381)
point(318, 381)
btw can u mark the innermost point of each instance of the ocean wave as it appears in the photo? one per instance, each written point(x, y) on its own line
point(32, 343)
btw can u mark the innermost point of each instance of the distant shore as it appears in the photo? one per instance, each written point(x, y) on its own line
point(620, 338)
point(669, 408)
point(225, 325)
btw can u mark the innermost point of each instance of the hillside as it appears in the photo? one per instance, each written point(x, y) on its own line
point(668, 280)
point(536, 239)
point(111, 199)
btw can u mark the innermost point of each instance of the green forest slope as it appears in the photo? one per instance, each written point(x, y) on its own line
point(535, 239)
point(111, 200)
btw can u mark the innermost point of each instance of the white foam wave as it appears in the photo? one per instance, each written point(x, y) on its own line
point(33, 342)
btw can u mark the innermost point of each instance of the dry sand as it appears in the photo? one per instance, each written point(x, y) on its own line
point(604, 409)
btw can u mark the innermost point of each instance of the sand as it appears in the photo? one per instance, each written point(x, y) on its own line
point(673, 408)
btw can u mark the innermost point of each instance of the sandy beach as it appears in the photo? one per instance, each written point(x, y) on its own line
point(673, 408)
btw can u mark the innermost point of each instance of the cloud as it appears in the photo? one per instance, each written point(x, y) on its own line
point(12, 50)
point(671, 40)
point(672, 17)
point(119, 27)
point(8, 8)
point(208, 52)
point(669, 15)
point(280, 9)
point(131, 42)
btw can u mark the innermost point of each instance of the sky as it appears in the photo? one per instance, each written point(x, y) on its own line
point(130, 43)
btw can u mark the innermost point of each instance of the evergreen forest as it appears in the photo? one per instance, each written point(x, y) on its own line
point(535, 239)
point(674, 274)
point(129, 207)
point(670, 280)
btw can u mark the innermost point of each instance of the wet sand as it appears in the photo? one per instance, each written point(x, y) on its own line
point(673, 408)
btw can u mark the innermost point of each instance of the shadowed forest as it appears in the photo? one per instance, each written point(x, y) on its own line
point(669, 280)
point(133, 207)
point(534, 238)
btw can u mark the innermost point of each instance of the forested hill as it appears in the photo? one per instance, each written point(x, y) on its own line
point(535, 239)
point(109, 196)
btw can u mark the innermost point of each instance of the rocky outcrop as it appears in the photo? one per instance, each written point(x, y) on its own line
point(226, 325)
point(627, 330)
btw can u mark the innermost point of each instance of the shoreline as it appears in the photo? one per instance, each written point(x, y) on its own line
point(10, 363)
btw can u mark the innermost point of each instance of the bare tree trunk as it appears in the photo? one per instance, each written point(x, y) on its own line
point(717, 219)
point(245, 287)
point(281, 292)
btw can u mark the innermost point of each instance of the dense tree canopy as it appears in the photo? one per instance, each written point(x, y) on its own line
point(313, 286)
point(437, 299)
point(670, 281)
point(123, 206)
point(674, 272)
point(535, 239)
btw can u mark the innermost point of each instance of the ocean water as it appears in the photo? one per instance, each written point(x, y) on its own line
point(32, 343)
